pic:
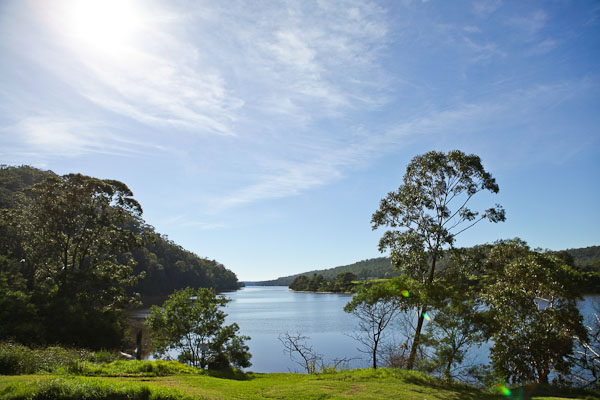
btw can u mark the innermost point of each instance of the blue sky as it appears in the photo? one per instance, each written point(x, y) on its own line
point(264, 134)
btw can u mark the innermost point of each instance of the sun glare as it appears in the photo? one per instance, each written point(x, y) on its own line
point(105, 25)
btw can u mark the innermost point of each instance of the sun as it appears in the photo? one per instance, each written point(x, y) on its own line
point(108, 26)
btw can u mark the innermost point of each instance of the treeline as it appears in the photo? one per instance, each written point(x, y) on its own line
point(586, 260)
point(343, 283)
point(375, 268)
point(75, 253)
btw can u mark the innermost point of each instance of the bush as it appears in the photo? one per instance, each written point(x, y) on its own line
point(16, 359)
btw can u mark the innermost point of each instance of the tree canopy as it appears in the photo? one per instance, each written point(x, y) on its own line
point(428, 211)
point(73, 237)
point(534, 320)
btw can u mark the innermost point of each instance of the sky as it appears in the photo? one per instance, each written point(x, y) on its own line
point(263, 134)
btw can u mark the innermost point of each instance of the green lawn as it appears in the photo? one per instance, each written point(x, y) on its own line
point(356, 384)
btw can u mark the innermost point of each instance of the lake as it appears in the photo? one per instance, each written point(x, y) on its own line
point(265, 312)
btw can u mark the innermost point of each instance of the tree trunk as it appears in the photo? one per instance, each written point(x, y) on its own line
point(375, 358)
point(415, 343)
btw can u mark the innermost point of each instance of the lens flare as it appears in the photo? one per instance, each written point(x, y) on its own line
point(504, 390)
point(426, 317)
point(405, 293)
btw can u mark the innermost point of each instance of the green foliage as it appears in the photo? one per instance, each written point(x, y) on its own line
point(534, 317)
point(69, 233)
point(427, 212)
point(192, 323)
point(455, 328)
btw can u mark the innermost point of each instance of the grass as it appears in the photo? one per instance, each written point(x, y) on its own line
point(57, 373)
point(134, 382)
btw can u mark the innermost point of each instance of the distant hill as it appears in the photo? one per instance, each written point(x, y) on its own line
point(380, 267)
point(586, 258)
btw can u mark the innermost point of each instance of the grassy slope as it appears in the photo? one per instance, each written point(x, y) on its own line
point(356, 384)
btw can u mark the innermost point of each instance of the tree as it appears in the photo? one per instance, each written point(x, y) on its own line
point(375, 307)
point(344, 282)
point(297, 346)
point(532, 297)
point(303, 354)
point(191, 322)
point(316, 282)
point(73, 235)
point(300, 283)
point(428, 211)
point(587, 355)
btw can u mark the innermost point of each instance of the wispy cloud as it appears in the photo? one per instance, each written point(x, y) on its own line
point(194, 71)
point(484, 8)
point(451, 126)
point(530, 24)
point(58, 136)
point(154, 77)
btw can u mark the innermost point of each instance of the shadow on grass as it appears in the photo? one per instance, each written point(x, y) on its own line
point(466, 392)
point(231, 374)
point(528, 391)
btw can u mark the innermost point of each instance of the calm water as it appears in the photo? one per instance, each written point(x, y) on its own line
point(265, 312)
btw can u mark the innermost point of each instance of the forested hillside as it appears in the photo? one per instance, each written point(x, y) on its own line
point(165, 265)
point(74, 254)
point(586, 259)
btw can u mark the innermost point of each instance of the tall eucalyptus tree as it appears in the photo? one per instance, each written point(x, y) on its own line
point(426, 214)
